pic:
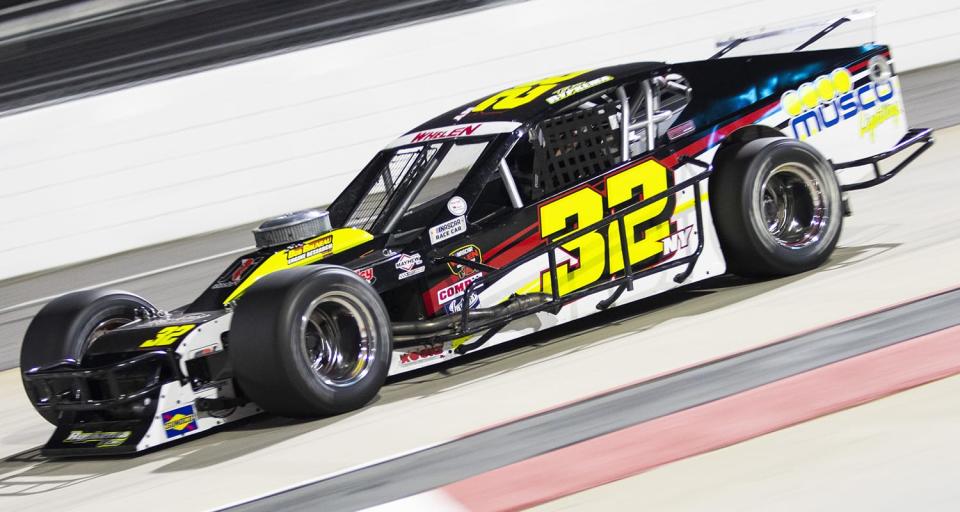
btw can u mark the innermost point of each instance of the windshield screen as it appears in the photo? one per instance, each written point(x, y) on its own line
point(415, 181)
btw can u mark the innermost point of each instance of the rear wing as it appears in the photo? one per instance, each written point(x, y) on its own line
point(826, 27)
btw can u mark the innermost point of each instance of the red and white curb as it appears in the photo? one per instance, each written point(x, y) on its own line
point(701, 429)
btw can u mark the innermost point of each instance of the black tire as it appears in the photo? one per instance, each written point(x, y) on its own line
point(278, 332)
point(67, 325)
point(758, 187)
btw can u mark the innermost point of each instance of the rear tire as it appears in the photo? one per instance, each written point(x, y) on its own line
point(66, 327)
point(777, 207)
point(312, 341)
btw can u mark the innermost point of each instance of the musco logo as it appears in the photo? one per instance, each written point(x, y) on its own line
point(822, 104)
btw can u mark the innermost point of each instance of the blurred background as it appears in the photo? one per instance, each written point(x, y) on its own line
point(127, 123)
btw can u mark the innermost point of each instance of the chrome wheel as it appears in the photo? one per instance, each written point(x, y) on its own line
point(792, 206)
point(337, 339)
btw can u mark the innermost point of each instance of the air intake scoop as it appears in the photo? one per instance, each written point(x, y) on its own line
point(292, 227)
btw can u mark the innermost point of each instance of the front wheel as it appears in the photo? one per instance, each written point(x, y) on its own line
point(777, 207)
point(310, 342)
point(66, 327)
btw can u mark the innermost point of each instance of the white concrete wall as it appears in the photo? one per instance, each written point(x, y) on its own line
point(199, 153)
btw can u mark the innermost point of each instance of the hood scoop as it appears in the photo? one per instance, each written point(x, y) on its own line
point(292, 227)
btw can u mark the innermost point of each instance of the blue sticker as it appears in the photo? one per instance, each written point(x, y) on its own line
point(179, 421)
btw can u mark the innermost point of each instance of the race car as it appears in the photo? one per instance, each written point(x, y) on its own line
point(543, 203)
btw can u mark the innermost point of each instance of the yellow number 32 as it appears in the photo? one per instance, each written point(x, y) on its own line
point(168, 336)
point(523, 94)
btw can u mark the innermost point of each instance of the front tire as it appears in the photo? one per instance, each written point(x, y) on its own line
point(66, 327)
point(777, 207)
point(312, 341)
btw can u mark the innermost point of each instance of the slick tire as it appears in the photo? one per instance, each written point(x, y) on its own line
point(67, 326)
point(311, 342)
point(777, 207)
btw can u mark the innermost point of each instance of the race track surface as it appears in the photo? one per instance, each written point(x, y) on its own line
point(899, 245)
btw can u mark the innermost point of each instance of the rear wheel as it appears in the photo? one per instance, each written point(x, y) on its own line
point(777, 207)
point(310, 342)
point(66, 327)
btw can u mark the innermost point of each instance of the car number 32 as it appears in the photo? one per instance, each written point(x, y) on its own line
point(598, 253)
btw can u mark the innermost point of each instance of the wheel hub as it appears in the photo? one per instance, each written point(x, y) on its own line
point(792, 205)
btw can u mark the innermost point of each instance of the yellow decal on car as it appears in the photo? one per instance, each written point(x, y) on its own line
point(304, 253)
point(524, 93)
point(598, 252)
point(168, 336)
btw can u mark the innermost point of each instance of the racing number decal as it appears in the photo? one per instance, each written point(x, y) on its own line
point(523, 94)
point(645, 228)
point(648, 178)
point(567, 214)
point(167, 336)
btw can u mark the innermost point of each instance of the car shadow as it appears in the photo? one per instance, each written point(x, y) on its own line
point(29, 473)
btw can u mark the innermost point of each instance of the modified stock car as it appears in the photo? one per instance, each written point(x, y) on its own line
point(540, 204)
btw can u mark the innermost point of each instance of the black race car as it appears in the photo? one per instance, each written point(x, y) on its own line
point(540, 204)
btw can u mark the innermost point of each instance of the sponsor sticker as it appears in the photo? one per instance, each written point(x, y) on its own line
point(367, 274)
point(468, 252)
point(447, 230)
point(448, 293)
point(829, 100)
point(681, 129)
point(409, 265)
point(422, 354)
point(453, 132)
point(309, 249)
point(179, 421)
point(237, 273)
point(456, 305)
point(573, 89)
point(99, 438)
point(457, 206)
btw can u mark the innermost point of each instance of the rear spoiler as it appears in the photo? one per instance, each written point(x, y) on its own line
point(831, 25)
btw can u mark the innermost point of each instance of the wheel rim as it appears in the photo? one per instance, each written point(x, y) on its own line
point(106, 326)
point(337, 339)
point(792, 206)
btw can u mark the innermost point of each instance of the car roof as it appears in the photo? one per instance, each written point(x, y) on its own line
point(549, 96)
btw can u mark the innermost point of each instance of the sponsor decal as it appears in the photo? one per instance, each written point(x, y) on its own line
point(209, 350)
point(318, 246)
point(168, 336)
point(456, 305)
point(468, 252)
point(179, 421)
point(822, 104)
point(524, 93)
point(367, 274)
point(447, 230)
point(869, 123)
point(450, 133)
point(409, 265)
point(236, 273)
point(99, 439)
point(457, 206)
point(425, 353)
point(570, 90)
point(681, 129)
point(448, 293)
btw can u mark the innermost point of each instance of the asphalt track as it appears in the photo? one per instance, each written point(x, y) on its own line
point(529, 437)
point(901, 243)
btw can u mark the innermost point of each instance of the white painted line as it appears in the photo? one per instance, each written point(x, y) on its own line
point(133, 277)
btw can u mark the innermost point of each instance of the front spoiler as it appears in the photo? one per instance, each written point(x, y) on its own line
point(922, 136)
